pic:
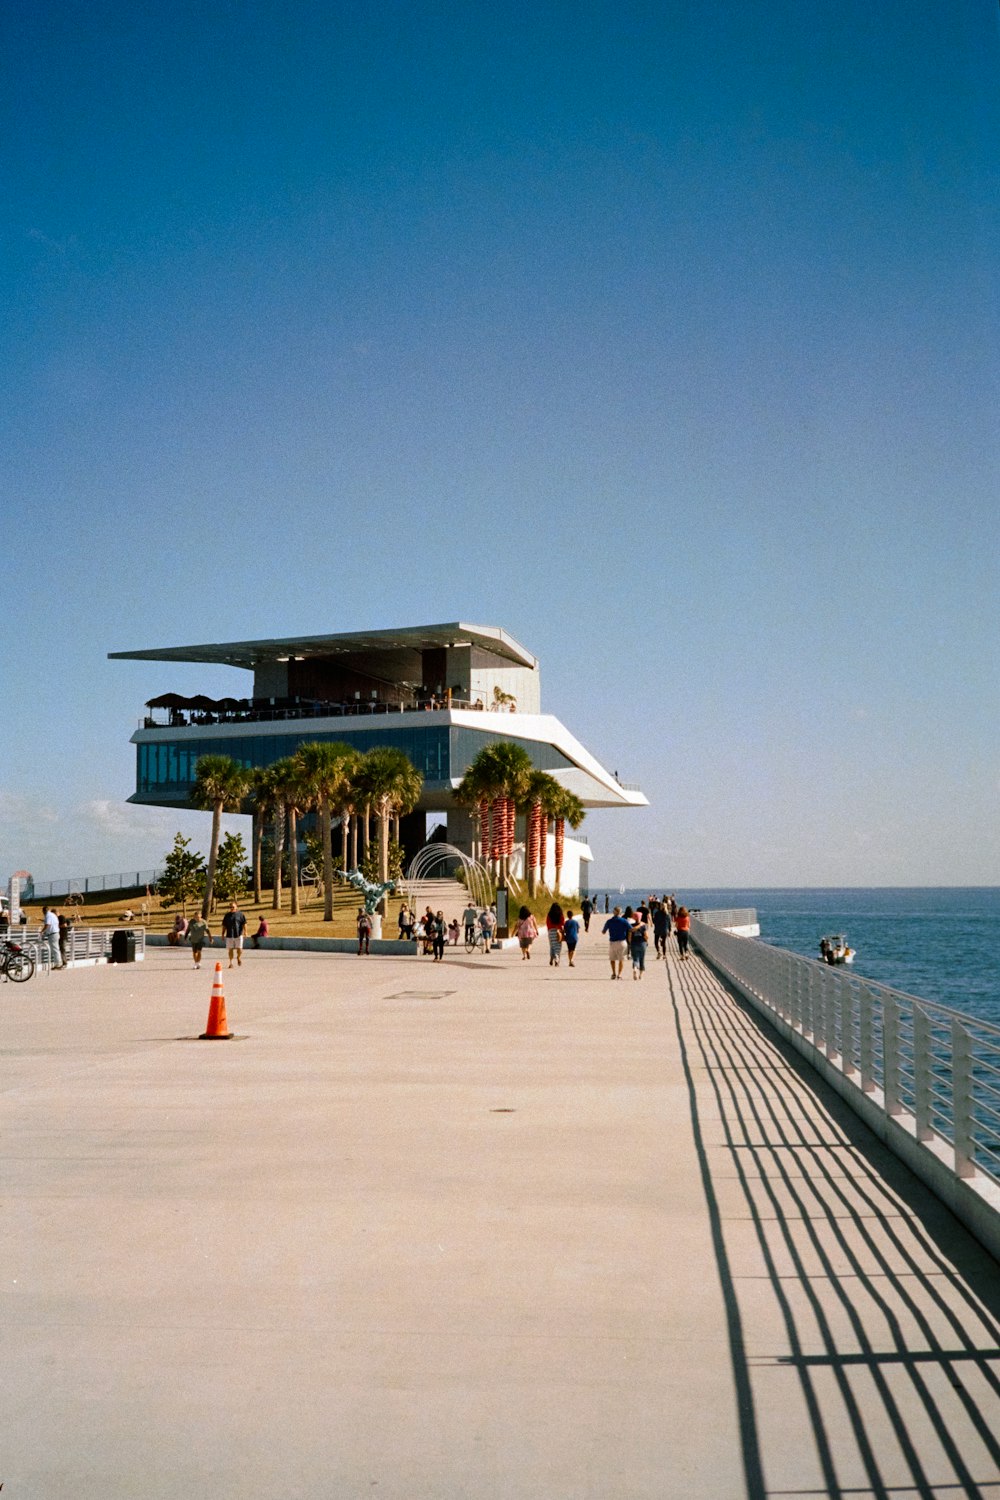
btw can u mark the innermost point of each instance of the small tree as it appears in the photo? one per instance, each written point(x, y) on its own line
point(183, 876)
point(232, 877)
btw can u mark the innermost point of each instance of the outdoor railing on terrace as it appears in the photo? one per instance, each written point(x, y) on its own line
point(269, 710)
point(911, 1057)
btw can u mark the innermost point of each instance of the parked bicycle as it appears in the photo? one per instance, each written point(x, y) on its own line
point(15, 963)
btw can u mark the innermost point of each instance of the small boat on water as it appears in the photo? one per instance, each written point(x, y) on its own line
point(834, 949)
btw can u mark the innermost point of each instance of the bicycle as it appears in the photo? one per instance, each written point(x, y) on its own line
point(475, 940)
point(15, 964)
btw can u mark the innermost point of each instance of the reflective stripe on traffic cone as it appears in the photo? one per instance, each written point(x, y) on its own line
point(217, 1027)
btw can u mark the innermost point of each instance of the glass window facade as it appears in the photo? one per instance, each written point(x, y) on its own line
point(440, 752)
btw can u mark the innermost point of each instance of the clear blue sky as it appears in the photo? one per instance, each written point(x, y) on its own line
point(663, 335)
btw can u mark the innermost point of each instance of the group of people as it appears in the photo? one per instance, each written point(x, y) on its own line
point(55, 933)
point(433, 933)
point(197, 934)
point(628, 933)
point(562, 929)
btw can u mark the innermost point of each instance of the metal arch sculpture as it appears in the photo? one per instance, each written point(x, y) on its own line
point(477, 877)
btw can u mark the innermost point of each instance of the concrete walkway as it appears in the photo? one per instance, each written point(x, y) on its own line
point(479, 1229)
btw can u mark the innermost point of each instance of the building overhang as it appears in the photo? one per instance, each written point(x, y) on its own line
point(251, 654)
point(584, 775)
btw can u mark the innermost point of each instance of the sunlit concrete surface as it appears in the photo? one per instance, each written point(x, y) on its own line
point(472, 1229)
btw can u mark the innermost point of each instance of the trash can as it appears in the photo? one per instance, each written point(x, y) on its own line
point(123, 947)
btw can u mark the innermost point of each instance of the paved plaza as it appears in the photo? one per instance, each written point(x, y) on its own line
point(477, 1230)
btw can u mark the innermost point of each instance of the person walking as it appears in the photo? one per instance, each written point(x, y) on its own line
point(682, 923)
point(437, 936)
point(364, 931)
point(638, 940)
point(487, 926)
point(234, 925)
point(554, 927)
point(616, 928)
point(586, 909)
point(661, 930)
point(526, 931)
point(571, 936)
point(198, 934)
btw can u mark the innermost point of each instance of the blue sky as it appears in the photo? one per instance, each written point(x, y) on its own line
point(663, 335)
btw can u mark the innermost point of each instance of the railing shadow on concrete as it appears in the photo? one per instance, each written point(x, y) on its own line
point(837, 1266)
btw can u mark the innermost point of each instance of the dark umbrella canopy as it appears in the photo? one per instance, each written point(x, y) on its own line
point(206, 705)
point(167, 700)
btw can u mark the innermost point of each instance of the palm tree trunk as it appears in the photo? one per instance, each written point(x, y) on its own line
point(560, 842)
point(258, 840)
point(366, 830)
point(213, 855)
point(326, 834)
point(384, 814)
point(531, 847)
point(348, 839)
point(279, 852)
point(293, 857)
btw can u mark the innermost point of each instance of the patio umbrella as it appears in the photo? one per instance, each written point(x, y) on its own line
point(206, 705)
point(167, 700)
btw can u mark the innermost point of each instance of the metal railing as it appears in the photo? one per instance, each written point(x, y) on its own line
point(912, 1057)
point(85, 943)
point(85, 885)
point(737, 916)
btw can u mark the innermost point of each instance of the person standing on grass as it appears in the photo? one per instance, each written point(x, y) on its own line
point(571, 936)
point(234, 925)
point(198, 934)
point(616, 928)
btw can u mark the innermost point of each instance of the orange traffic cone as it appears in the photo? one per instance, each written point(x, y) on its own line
point(216, 1028)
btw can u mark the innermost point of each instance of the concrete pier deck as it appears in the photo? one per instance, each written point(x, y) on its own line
point(478, 1230)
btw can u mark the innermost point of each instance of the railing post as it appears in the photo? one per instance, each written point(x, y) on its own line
point(866, 1039)
point(890, 1044)
point(833, 1047)
point(963, 1100)
point(922, 1072)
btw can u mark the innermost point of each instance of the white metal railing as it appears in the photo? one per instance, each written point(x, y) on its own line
point(915, 1057)
point(86, 944)
point(738, 916)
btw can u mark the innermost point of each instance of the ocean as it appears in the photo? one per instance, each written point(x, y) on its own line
point(939, 944)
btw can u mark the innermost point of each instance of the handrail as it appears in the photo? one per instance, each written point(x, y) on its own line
point(916, 1058)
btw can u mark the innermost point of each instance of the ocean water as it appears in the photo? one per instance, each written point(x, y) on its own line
point(940, 944)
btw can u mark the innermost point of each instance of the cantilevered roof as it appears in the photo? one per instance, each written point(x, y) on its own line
point(410, 638)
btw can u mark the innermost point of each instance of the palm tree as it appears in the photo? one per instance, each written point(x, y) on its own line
point(541, 795)
point(327, 770)
point(292, 799)
point(220, 785)
point(263, 796)
point(475, 791)
point(569, 809)
point(391, 783)
point(499, 776)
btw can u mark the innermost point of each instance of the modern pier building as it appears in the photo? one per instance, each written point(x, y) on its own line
point(438, 692)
